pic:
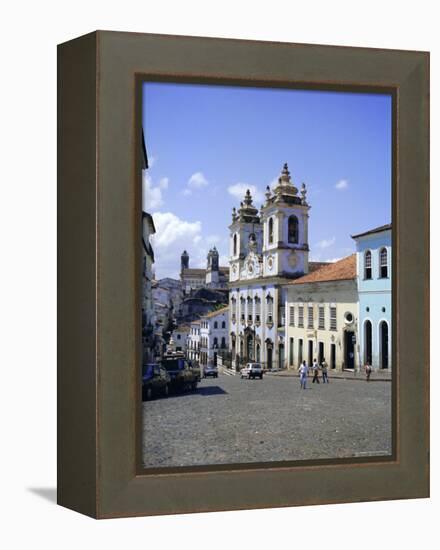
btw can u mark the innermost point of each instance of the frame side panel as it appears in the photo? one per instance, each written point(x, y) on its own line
point(77, 80)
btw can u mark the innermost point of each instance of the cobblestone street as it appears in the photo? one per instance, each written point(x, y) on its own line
point(229, 420)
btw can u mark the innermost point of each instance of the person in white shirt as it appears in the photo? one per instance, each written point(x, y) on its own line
point(303, 372)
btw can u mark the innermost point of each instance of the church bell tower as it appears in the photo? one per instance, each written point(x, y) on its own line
point(212, 268)
point(245, 231)
point(184, 261)
point(284, 217)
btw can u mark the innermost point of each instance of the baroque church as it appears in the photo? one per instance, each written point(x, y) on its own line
point(214, 276)
point(268, 249)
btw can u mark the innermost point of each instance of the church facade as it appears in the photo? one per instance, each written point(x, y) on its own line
point(214, 276)
point(268, 249)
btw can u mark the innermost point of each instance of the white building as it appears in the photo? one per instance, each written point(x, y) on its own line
point(193, 342)
point(267, 250)
point(214, 330)
point(148, 313)
point(322, 315)
point(180, 337)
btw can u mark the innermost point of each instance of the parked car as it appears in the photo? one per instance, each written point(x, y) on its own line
point(252, 370)
point(210, 370)
point(184, 376)
point(155, 381)
point(244, 373)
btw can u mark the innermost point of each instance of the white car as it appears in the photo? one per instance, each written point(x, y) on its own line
point(252, 370)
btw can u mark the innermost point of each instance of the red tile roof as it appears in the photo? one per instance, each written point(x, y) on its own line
point(341, 270)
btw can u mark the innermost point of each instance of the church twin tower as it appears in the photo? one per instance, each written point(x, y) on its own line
point(274, 241)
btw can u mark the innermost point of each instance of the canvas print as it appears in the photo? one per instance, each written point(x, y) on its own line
point(266, 276)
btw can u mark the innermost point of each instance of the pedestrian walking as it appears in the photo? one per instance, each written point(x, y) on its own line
point(315, 369)
point(368, 371)
point(303, 372)
point(324, 371)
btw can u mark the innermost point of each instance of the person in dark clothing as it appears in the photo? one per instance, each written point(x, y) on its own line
point(315, 369)
point(368, 371)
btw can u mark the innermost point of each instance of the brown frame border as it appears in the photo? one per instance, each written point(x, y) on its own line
point(98, 353)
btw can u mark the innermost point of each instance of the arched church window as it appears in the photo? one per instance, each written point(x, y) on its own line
point(235, 244)
point(215, 324)
point(293, 229)
point(249, 308)
point(367, 265)
point(257, 309)
point(269, 308)
point(270, 230)
point(384, 263)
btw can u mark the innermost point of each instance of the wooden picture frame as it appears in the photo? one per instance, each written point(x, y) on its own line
point(99, 227)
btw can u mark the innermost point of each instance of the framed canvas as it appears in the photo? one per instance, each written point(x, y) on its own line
point(108, 463)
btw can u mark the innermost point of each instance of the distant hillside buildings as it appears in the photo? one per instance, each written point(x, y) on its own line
point(213, 276)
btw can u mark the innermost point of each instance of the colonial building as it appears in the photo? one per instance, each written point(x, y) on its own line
point(374, 286)
point(200, 302)
point(322, 315)
point(214, 330)
point(268, 249)
point(148, 317)
point(193, 342)
point(214, 276)
point(148, 313)
point(180, 337)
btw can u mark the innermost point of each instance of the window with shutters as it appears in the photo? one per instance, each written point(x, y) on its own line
point(383, 261)
point(367, 265)
point(310, 317)
point(292, 316)
point(301, 316)
point(321, 318)
point(333, 324)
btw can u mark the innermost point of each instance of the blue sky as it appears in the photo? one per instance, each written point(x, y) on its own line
point(206, 144)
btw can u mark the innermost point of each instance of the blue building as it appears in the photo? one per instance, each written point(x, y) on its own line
point(373, 265)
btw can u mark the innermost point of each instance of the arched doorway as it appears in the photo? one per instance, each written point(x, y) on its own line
point(349, 349)
point(269, 354)
point(368, 343)
point(281, 356)
point(250, 348)
point(258, 353)
point(383, 335)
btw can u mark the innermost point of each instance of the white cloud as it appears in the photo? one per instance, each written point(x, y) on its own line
point(163, 183)
point(152, 194)
point(197, 180)
point(238, 190)
point(326, 243)
point(171, 229)
point(341, 184)
point(173, 236)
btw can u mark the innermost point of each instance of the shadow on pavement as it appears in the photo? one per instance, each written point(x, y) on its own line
point(210, 390)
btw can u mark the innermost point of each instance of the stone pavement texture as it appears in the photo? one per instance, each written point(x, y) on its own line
point(229, 420)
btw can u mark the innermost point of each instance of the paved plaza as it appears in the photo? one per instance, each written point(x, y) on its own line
point(229, 420)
